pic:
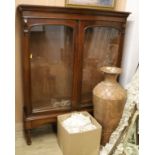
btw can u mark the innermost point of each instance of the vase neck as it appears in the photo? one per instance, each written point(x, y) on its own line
point(111, 73)
point(110, 77)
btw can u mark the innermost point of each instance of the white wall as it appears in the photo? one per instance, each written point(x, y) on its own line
point(131, 54)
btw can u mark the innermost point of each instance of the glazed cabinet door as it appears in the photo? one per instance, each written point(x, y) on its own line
point(101, 47)
point(51, 61)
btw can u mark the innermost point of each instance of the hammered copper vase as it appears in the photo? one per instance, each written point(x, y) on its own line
point(109, 99)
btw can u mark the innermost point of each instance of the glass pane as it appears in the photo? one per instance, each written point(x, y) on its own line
point(51, 49)
point(100, 49)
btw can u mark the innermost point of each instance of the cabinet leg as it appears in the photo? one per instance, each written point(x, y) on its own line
point(28, 136)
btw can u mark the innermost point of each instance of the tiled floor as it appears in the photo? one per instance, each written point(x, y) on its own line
point(44, 142)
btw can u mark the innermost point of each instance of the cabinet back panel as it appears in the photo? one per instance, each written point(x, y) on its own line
point(51, 49)
point(101, 47)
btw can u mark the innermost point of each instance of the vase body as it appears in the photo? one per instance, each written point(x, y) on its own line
point(109, 99)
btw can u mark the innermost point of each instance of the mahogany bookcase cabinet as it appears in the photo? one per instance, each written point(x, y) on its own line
point(62, 51)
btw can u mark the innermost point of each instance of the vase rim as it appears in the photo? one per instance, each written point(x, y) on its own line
point(111, 70)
